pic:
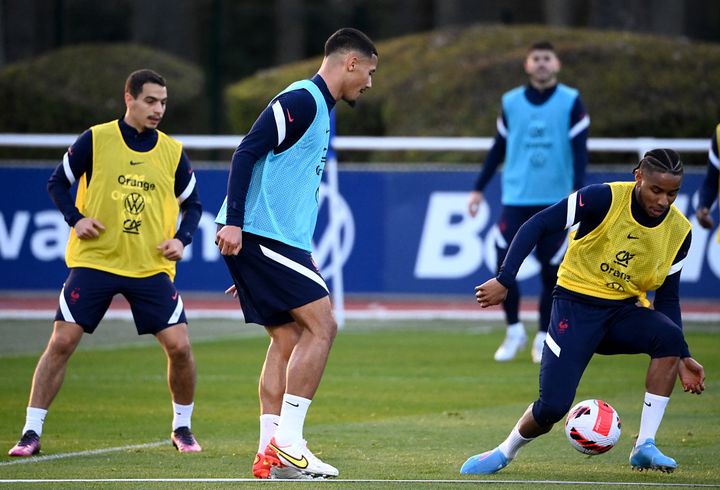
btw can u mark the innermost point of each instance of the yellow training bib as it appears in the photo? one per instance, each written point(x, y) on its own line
point(620, 258)
point(133, 194)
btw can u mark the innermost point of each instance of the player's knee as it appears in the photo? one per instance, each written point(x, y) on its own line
point(548, 414)
point(62, 345)
point(179, 351)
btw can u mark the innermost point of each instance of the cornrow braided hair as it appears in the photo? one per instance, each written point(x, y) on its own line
point(663, 160)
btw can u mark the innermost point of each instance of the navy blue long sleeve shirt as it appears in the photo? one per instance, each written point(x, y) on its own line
point(708, 192)
point(283, 122)
point(579, 123)
point(79, 159)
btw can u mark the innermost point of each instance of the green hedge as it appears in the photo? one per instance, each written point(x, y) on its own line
point(449, 83)
point(70, 89)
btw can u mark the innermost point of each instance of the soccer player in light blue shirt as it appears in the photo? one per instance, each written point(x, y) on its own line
point(542, 137)
point(267, 223)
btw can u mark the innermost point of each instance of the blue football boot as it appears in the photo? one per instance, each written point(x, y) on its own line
point(648, 457)
point(486, 463)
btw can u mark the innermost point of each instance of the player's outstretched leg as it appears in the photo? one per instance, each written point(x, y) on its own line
point(485, 463)
point(28, 445)
point(647, 456)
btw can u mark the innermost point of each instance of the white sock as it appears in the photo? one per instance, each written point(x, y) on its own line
point(516, 330)
point(268, 426)
point(182, 415)
point(292, 419)
point(510, 446)
point(34, 419)
point(652, 414)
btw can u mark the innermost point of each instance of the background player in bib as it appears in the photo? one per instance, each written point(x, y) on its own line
point(709, 189)
point(630, 240)
point(542, 136)
point(133, 181)
point(269, 216)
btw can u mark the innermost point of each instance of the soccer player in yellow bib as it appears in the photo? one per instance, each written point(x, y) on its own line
point(630, 240)
point(133, 181)
point(708, 192)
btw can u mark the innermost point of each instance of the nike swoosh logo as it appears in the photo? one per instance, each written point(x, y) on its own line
point(301, 463)
point(292, 404)
point(631, 237)
point(135, 163)
point(580, 202)
point(174, 296)
point(290, 118)
point(648, 404)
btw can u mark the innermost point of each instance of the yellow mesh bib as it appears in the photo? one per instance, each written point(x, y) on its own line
point(620, 258)
point(133, 194)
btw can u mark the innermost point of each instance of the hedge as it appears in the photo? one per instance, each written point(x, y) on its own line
point(70, 89)
point(449, 83)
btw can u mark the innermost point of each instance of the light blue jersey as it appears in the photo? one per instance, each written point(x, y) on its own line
point(539, 159)
point(282, 200)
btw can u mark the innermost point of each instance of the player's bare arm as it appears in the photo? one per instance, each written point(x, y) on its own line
point(692, 376)
point(88, 228)
point(474, 202)
point(490, 293)
point(172, 249)
point(229, 240)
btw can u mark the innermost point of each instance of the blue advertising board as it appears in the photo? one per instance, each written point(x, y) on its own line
point(402, 232)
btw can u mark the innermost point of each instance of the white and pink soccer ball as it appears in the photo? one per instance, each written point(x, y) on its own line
point(592, 427)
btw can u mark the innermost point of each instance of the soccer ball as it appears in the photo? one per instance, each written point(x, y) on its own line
point(592, 427)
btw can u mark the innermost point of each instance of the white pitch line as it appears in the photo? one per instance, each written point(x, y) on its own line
point(267, 481)
point(93, 452)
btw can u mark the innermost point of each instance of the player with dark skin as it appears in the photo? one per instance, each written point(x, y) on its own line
point(589, 318)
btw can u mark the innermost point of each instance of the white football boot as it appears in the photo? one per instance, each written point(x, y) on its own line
point(299, 457)
point(515, 341)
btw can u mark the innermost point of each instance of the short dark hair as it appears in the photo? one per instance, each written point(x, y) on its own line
point(542, 46)
point(663, 160)
point(349, 39)
point(136, 80)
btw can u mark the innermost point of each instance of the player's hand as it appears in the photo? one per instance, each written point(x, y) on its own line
point(474, 202)
point(172, 249)
point(229, 240)
point(232, 290)
point(88, 228)
point(692, 375)
point(490, 293)
point(703, 217)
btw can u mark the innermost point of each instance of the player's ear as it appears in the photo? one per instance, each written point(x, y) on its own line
point(638, 175)
point(351, 61)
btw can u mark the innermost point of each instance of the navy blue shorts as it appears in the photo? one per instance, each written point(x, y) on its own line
point(580, 329)
point(273, 278)
point(87, 294)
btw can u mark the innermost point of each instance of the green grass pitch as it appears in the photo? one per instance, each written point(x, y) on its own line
point(399, 401)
